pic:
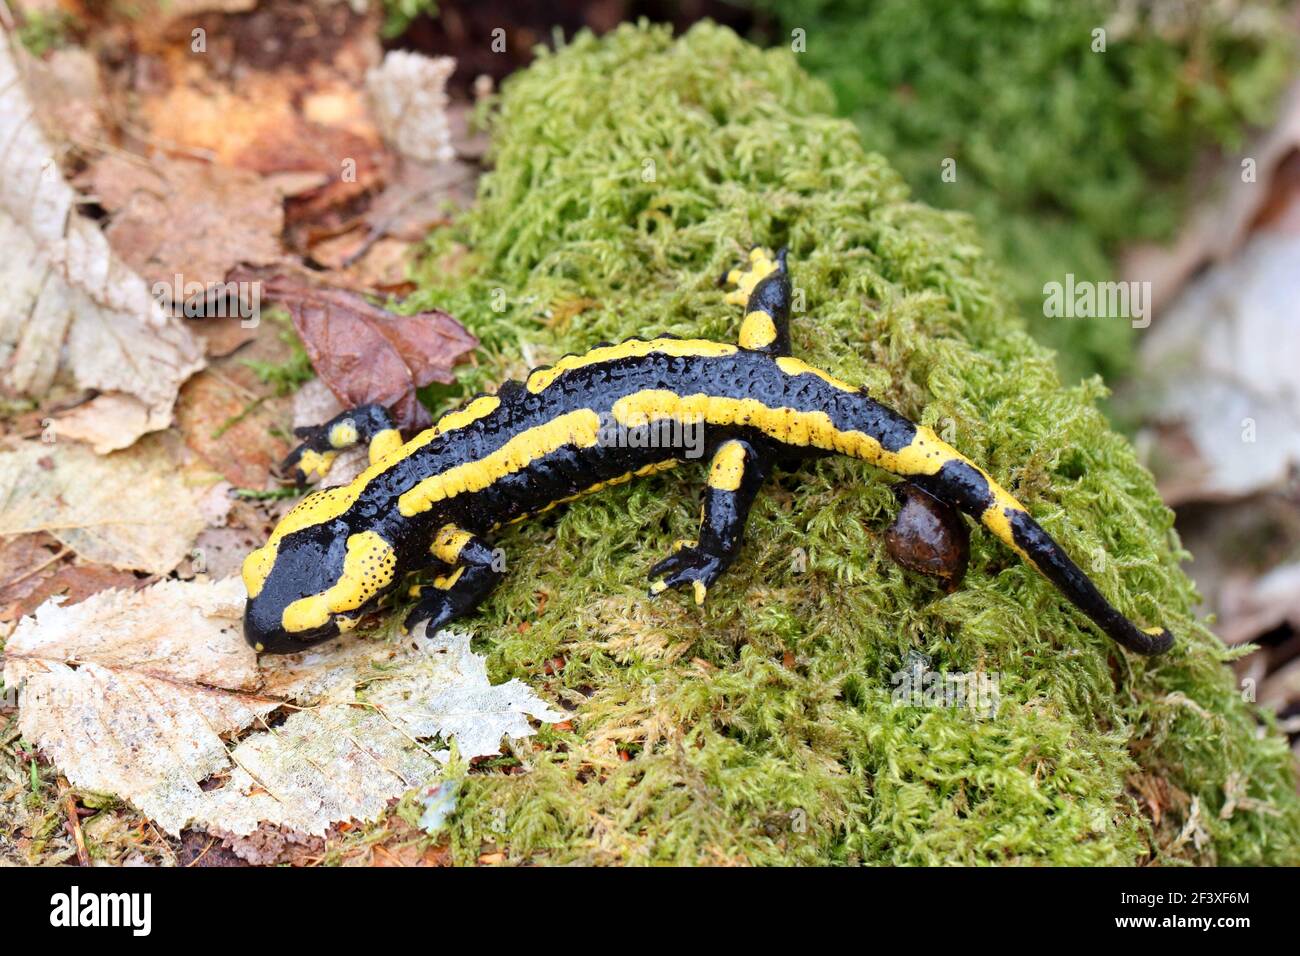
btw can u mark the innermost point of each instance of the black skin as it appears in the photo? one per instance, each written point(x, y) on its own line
point(310, 559)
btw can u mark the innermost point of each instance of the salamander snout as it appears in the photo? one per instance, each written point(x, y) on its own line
point(287, 609)
point(265, 632)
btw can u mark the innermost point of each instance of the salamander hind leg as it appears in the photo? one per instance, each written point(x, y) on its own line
point(475, 570)
point(735, 475)
point(322, 443)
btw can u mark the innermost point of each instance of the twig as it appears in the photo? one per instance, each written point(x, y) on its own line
point(211, 842)
point(70, 807)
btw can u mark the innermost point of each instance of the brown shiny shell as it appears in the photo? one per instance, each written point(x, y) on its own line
point(928, 536)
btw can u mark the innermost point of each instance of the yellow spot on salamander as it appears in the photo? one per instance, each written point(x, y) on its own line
point(728, 467)
point(634, 348)
point(317, 508)
point(368, 567)
point(316, 463)
point(927, 453)
point(325, 505)
point(658, 587)
point(701, 592)
point(997, 518)
point(579, 428)
point(757, 331)
point(257, 566)
point(447, 582)
point(924, 455)
point(794, 366)
point(449, 542)
point(788, 425)
point(481, 407)
point(343, 435)
point(384, 444)
point(761, 265)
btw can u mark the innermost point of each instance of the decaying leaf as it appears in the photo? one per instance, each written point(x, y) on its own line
point(133, 509)
point(292, 108)
point(36, 567)
point(136, 694)
point(230, 430)
point(67, 303)
point(365, 353)
point(67, 91)
point(180, 221)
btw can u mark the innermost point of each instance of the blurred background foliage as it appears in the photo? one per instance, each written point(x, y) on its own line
point(1062, 154)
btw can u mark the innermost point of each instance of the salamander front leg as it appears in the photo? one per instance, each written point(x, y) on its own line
point(735, 475)
point(322, 443)
point(476, 569)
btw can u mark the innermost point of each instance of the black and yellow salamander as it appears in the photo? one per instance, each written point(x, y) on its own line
point(583, 424)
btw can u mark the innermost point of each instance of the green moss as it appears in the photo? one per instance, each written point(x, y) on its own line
point(762, 728)
point(42, 31)
point(400, 14)
point(1062, 152)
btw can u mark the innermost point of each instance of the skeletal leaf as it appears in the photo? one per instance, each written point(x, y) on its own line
point(138, 694)
point(67, 303)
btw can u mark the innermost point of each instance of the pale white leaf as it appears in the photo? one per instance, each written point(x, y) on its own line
point(67, 303)
point(139, 694)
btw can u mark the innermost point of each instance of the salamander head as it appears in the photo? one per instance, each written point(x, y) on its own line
point(309, 586)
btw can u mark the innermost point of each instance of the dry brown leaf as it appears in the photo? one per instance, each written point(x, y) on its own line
point(67, 303)
point(229, 430)
point(31, 573)
point(65, 87)
point(418, 199)
point(367, 354)
point(132, 509)
point(1250, 606)
point(224, 336)
point(187, 9)
point(184, 221)
point(100, 422)
point(162, 674)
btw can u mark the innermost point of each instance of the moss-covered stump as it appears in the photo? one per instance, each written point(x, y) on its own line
point(763, 727)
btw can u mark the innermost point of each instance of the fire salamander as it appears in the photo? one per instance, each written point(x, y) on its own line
point(573, 428)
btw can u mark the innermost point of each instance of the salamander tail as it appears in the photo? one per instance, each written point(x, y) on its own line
point(964, 485)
